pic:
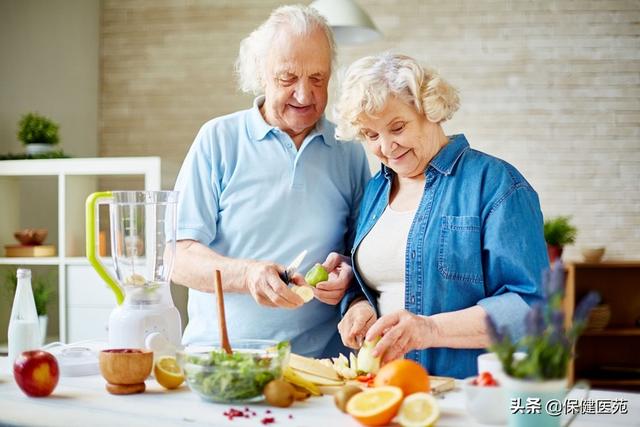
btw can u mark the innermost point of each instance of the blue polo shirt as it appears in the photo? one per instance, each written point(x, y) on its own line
point(247, 192)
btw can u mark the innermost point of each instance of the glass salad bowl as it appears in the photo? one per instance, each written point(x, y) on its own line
point(240, 377)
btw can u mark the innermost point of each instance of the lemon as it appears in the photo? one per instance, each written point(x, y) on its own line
point(304, 292)
point(316, 275)
point(418, 410)
point(168, 373)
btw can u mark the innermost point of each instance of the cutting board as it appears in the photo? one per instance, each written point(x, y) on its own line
point(438, 385)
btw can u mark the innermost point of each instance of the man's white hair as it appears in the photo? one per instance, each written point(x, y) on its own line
point(370, 81)
point(298, 20)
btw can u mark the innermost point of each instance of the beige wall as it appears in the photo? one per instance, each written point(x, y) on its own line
point(49, 54)
point(551, 86)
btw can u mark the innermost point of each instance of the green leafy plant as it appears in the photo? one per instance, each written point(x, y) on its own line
point(547, 345)
point(40, 285)
point(558, 231)
point(36, 129)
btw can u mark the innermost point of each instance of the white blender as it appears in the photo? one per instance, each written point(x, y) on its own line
point(143, 244)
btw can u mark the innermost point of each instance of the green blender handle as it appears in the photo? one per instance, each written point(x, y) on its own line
point(91, 224)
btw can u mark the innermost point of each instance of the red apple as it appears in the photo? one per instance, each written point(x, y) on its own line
point(36, 372)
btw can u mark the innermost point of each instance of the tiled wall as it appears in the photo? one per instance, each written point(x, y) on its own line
point(551, 86)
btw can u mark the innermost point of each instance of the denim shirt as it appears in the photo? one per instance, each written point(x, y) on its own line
point(476, 238)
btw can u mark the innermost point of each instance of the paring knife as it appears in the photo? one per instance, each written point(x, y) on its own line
point(293, 267)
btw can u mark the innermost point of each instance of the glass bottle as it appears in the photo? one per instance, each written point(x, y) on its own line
point(24, 332)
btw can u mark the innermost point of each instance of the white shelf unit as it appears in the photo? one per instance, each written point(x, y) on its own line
point(79, 287)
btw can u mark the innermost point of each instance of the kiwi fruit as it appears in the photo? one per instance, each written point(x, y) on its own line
point(279, 393)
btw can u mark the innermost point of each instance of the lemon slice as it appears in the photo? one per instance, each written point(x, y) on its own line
point(168, 373)
point(304, 292)
point(418, 410)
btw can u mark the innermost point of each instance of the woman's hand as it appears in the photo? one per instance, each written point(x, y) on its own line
point(401, 332)
point(355, 323)
point(340, 276)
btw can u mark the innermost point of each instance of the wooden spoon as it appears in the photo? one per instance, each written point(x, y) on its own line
point(222, 322)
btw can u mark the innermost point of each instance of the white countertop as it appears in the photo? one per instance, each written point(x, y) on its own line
point(83, 401)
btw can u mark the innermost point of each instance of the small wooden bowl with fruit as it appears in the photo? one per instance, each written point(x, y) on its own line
point(125, 369)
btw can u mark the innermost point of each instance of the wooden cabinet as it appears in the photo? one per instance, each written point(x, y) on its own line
point(608, 357)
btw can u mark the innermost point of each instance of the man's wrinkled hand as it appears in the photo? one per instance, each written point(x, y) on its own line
point(263, 282)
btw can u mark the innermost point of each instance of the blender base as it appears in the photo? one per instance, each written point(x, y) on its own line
point(129, 325)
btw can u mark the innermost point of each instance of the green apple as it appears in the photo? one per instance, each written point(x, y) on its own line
point(316, 275)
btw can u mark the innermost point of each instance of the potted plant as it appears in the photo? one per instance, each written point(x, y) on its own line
point(558, 232)
point(38, 133)
point(546, 350)
point(42, 293)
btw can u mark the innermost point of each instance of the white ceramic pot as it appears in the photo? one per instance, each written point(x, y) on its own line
point(39, 148)
point(539, 403)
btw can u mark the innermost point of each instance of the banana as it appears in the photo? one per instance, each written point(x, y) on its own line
point(296, 379)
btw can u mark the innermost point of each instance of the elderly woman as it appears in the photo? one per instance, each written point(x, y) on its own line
point(447, 235)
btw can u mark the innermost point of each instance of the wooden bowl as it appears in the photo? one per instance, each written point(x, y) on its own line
point(31, 236)
point(125, 367)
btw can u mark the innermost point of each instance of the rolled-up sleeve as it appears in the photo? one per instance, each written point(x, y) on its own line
point(514, 256)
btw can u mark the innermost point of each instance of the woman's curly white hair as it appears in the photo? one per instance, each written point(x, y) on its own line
point(371, 80)
point(299, 20)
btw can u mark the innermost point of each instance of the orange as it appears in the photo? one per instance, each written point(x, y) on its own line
point(410, 376)
point(375, 406)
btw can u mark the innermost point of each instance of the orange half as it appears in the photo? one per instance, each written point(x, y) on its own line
point(376, 406)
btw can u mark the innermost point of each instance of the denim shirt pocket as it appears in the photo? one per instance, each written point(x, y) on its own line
point(460, 251)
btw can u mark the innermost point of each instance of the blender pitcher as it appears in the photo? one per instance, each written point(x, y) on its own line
point(143, 244)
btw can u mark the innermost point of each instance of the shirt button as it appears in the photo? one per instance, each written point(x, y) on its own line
point(373, 216)
point(413, 254)
point(413, 300)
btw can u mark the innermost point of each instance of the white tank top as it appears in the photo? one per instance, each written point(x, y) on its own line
point(380, 258)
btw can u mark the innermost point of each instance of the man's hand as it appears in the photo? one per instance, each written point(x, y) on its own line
point(355, 323)
point(401, 331)
point(263, 283)
point(340, 276)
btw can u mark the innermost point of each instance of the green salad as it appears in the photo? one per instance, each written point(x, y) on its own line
point(240, 376)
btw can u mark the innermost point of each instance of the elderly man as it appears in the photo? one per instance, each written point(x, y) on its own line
point(259, 186)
